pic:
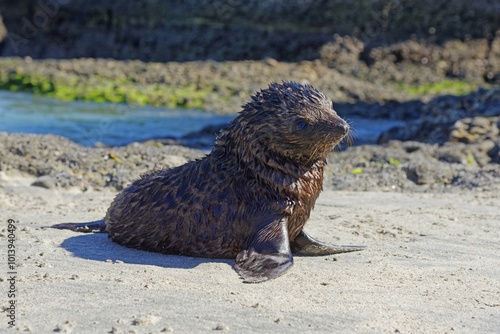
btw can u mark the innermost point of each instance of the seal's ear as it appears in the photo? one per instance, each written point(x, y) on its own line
point(266, 253)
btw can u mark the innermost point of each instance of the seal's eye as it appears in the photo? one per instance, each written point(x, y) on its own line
point(302, 125)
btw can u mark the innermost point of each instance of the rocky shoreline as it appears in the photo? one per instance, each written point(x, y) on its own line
point(448, 143)
point(450, 140)
point(396, 166)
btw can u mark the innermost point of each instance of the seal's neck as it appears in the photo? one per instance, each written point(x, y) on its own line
point(282, 173)
point(285, 175)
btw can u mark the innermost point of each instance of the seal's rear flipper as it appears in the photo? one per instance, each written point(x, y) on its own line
point(266, 255)
point(304, 244)
point(97, 226)
point(255, 268)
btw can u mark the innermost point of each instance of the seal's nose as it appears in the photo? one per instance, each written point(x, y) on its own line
point(342, 127)
point(345, 128)
point(338, 126)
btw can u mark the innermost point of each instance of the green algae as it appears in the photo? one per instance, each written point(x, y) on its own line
point(357, 171)
point(100, 89)
point(453, 87)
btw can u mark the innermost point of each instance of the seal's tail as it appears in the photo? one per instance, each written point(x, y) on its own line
point(97, 226)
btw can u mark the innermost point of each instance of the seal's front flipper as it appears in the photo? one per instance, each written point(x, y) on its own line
point(266, 253)
point(97, 226)
point(304, 244)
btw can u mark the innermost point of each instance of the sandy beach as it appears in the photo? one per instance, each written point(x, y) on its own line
point(431, 266)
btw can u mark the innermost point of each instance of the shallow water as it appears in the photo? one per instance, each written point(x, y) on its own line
point(88, 123)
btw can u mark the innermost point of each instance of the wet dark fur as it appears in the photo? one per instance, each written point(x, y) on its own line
point(248, 199)
point(268, 163)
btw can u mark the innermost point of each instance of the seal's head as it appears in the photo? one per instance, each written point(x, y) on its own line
point(288, 120)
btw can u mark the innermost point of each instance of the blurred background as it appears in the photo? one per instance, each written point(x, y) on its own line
point(115, 72)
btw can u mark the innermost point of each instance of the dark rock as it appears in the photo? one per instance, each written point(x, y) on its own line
point(395, 110)
point(418, 174)
point(494, 154)
point(472, 118)
point(203, 139)
point(452, 156)
point(45, 181)
point(192, 30)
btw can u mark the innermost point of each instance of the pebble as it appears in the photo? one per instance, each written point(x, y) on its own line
point(45, 181)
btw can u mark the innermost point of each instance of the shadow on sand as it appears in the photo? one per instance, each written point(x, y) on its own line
point(99, 247)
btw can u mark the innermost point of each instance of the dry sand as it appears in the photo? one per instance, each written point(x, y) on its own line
point(432, 266)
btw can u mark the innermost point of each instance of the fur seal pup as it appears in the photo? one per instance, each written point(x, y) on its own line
point(248, 199)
